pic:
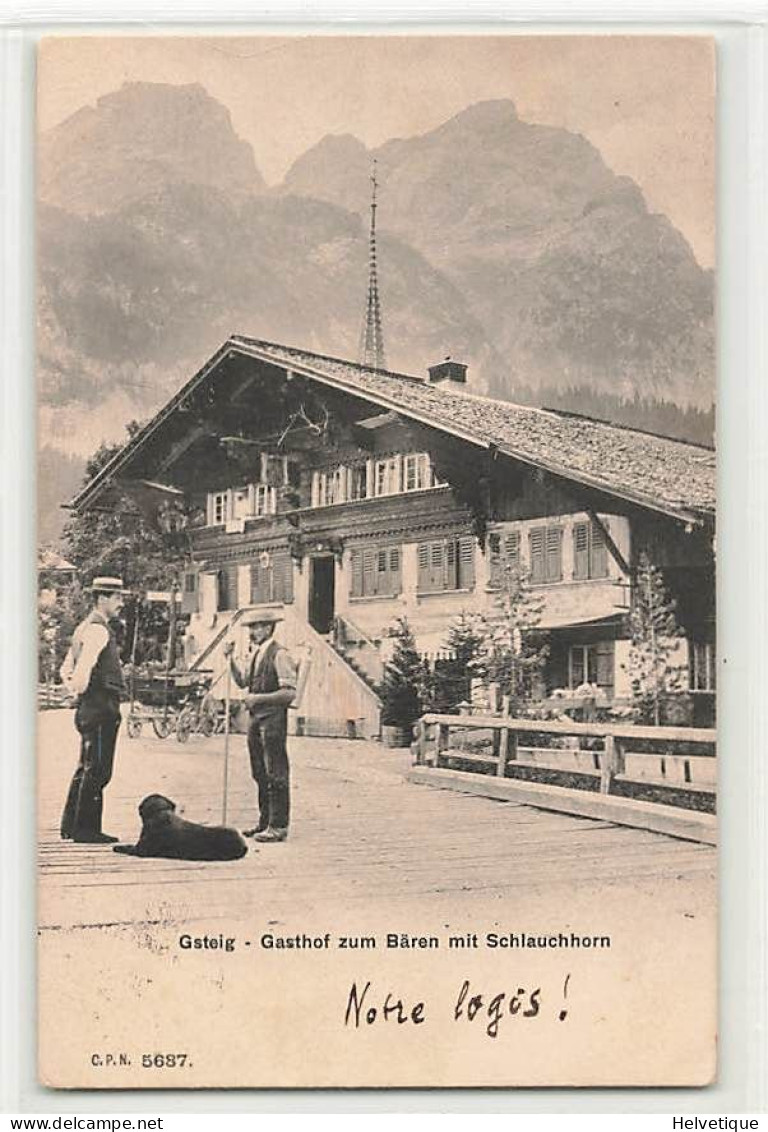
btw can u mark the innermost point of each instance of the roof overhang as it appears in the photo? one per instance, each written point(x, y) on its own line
point(387, 404)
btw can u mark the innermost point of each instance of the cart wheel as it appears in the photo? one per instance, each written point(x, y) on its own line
point(161, 727)
point(133, 727)
point(183, 727)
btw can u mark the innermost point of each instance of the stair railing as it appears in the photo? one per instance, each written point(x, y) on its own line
point(358, 647)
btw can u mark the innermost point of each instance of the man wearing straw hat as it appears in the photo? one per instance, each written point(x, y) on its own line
point(92, 671)
point(270, 679)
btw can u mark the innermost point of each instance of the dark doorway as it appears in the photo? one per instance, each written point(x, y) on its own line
point(321, 593)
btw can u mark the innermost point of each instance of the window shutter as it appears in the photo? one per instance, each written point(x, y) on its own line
point(283, 573)
point(369, 572)
point(228, 587)
point(466, 573)
point(356, 566)
point(395, 585)
point(451, 571)
point(424, 566)
point(494, 559)
point(538, 571)
point(605, 665)
point(382, 572)
point(189, 598)
point(581, 550)
point(260, 579)
point(598, 566)
point(554, 554)
point(512, 550)
point(436, 566)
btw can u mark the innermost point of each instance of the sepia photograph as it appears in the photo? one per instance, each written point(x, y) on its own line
point(376, 561)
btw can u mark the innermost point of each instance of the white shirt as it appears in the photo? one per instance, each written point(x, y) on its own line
point(89, 640)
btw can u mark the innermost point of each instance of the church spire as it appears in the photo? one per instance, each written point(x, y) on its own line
point(371, 337)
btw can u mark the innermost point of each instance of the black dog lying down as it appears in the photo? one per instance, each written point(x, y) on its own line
point(163, 834)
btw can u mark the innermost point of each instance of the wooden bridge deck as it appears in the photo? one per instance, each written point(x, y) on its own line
point(361, 836)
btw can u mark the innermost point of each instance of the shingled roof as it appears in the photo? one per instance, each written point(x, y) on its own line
point(654, 471)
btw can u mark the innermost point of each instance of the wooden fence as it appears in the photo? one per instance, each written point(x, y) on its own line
point(678, 757)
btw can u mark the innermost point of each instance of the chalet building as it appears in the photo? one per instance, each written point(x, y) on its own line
point(349, 496)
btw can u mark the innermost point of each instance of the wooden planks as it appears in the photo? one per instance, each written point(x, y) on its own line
point(361, 835)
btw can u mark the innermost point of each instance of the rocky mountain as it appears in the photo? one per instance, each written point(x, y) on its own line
point(570, 275)
point(138, 140)
point(507, 244)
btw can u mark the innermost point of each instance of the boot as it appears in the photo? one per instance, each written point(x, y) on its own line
point(272, 834)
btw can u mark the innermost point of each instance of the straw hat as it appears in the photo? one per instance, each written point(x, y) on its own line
point(261, 617)
point(108, 585)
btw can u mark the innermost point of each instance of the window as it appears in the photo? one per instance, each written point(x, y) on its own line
point(247, 502)
point(503, 555)
point(592, 664)
point(358, 482)
point(264, 500)
point(219, 507)
point(702, 666)
point(333, 487)
point(272, 577)
point(447, 564)
point(376, 572)
point(329, 487)
point(417, 473)
point(386, 477)
point(590, 553)
point(546, 547)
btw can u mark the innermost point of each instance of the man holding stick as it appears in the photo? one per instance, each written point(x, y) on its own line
point(270, 680)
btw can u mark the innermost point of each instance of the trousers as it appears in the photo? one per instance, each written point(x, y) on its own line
point(85, 799)
point(269, 766)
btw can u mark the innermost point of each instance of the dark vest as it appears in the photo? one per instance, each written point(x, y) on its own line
point(107, 675)
point(263, 678)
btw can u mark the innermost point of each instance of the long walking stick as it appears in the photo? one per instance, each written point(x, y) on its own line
point(227, 689)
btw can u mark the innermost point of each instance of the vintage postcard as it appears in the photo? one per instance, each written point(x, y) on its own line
point(377, 561)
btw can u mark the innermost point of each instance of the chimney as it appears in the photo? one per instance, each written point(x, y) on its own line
point(455, 372)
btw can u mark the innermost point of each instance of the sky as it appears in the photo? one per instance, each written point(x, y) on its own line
point(646, 102)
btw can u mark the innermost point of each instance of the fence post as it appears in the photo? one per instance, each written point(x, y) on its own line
point(421, 743)
point(441, 742)
point(608, 765)
point(501, 768)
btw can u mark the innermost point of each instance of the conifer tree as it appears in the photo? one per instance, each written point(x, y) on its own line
point(513, 651)
point(655, 632)
point(405, 679)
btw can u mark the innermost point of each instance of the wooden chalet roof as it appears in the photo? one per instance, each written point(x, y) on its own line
point(667, 475)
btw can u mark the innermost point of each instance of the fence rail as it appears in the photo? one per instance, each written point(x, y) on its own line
point(682, 757)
